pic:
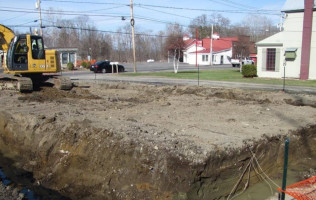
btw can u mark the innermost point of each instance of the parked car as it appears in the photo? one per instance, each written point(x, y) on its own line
point(105, 67)
point(246, 61)
point(150, 60)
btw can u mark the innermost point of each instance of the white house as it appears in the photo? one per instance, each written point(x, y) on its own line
point(284, 49)
point(222, 50)
point(67, 55)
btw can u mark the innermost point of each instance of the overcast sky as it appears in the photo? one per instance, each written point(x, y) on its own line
point(149, 14)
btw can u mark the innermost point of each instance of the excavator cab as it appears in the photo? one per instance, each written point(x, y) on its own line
point(26, 54)
point(17, 54)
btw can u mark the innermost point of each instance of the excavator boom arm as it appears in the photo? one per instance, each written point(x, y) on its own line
point(6, 35)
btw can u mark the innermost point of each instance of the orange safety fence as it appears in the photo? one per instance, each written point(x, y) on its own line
point(304, 190)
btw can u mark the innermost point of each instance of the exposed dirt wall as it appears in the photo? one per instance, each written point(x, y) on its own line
point(101, 165)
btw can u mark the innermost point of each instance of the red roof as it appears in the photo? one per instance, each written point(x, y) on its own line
point(220, 44)
point(188, 42)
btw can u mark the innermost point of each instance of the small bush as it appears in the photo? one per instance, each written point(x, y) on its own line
point(70, 66)
point(249, 71)
point(85, 64)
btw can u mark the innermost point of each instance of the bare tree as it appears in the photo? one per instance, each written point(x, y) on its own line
point(221, 24)
point(204, 25)
point(174, 43)
point(259, 27)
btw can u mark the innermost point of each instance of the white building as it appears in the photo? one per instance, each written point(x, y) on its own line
point(271, 51)
point(67, 55)
point(222, 50)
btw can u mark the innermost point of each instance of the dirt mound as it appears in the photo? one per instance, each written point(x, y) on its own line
point(50, 94)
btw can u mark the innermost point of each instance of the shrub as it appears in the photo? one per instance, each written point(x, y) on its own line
point(70, 66)
point(84, 64)
point(249, 71)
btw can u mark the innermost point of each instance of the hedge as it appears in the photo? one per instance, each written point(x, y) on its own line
point(249, 71)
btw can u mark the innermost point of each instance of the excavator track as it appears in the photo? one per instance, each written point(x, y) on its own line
point(63, 83)
point(21, 84)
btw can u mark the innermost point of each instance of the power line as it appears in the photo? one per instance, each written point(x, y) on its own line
point(14, 17)
point(210, 10)
point(63, 13)
point(242, 5)
point(262, 11)
point(227, 4)
point(86, 2)
point(90, 15)
point(166, 12)
point(159, 21)
point(234, 4)
point(89, 29)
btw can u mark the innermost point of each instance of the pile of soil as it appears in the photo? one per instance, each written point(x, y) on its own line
point(137, 141)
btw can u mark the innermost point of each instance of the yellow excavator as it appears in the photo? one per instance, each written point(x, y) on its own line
point(25, 62)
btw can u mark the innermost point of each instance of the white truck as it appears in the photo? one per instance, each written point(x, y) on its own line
point(245, 61)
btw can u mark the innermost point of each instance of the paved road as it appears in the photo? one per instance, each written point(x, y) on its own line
point(86, 76)
point(164, 66)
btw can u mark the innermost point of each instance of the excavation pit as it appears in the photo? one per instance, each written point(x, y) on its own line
point(135, 141)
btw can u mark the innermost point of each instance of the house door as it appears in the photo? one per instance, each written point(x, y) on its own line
point(222, 60)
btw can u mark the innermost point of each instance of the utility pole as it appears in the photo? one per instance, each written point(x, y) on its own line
point(133, 35)
point(38, 6)
point(212, 46)
point(196, 43)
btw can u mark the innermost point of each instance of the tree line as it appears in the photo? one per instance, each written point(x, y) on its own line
point(117, 46)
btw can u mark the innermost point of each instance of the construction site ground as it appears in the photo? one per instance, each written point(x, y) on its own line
point(112, 140)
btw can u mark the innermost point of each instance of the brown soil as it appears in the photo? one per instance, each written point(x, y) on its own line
point(134, 141)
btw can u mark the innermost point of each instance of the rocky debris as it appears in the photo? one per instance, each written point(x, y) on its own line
point(8, 193)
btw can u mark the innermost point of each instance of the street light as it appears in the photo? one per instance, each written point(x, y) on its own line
point(89, 56)
point(38, 6)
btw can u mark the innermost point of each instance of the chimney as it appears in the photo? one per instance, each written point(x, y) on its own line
point(306, 39)
point(186, 37)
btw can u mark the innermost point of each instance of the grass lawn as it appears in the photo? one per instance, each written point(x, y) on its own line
point(232, 75)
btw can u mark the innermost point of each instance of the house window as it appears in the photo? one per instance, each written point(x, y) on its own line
point(72, 58)
point(204, 58)
point(64, 58)
point(271, 53)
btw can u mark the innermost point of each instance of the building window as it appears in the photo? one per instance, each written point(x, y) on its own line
point(72, 58)
point(271, 53)
point(64, 58)
point(204, 58)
